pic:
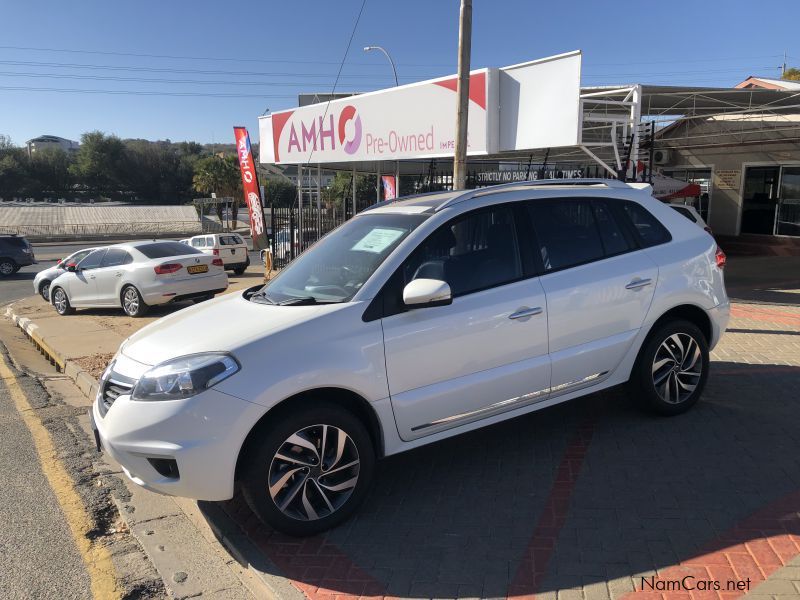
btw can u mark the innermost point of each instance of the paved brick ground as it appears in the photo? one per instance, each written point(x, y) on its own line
point(590, 499)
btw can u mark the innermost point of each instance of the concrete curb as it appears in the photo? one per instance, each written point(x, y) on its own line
point(224, 529)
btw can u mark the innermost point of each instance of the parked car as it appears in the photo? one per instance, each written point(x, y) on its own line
point(15, 253)
point(415, 321)
point(138, 275)
point(230, 247)
point(43, 279)
point(283, 248)
point(690, 212)
point(187, 241)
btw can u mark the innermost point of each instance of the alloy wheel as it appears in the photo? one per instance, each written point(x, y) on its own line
point(6, 268)
point(46, 290)
point(314, 472)
point(677, 368)
point(60, 301)
point(130, 301)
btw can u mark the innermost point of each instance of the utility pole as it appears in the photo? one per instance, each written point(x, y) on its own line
point(462, 92)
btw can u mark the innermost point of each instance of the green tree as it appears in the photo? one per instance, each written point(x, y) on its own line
point(279, 192)
point(341, 190)
point(48, 173)
point(157, 172)
point(791, 74)
point(99, 162)
point(218, 175)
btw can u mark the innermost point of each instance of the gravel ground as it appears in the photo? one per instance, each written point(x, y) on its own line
point(94, 365)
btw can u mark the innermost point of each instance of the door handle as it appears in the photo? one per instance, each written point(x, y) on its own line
point(526, 312)
point(92, 277)
point(638, 283)
point(119, 274)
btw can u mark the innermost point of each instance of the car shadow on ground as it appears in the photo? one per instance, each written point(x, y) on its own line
point(590, 491)
point(19, 276)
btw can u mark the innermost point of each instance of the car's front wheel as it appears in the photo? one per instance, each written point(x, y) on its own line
point(309, 470)
point(44, 290)
point(61, 302)
point(132, 302)
point(672, 368)
point(7, 267)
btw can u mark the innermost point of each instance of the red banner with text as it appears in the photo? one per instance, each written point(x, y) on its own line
point(252, 194)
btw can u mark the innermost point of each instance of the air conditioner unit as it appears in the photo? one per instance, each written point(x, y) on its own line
point(660, 157)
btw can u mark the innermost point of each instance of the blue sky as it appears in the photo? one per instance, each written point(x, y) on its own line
point(270, 51)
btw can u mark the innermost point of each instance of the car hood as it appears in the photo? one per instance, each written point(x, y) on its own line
point(224, 324)
point(50, 273)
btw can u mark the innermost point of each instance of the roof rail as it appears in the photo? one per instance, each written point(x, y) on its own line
point(469, 194)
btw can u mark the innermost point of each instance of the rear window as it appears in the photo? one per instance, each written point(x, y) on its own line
point(648, 228)
point(15, 242)
point(685, 212)
point(229, 240)
point(166, 249)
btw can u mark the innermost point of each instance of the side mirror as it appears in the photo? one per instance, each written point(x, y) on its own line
point(72, 267)
point(422, 293)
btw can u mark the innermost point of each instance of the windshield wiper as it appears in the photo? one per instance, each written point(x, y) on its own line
point(306, 300)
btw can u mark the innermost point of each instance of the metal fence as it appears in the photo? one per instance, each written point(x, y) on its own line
point(286, 239)
point(83, 231)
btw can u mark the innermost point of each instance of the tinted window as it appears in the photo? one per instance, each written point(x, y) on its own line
point(15, 242)
point(650, 231)
point(115, 257)
point(685, 212)
point(471, 253)
point(166, 249)
point(199, 242)
point(567, 233)
point(614, 241)
point(93, 260)
point(229, 240)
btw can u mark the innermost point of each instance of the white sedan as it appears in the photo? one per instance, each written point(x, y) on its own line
point(43, 279)
point(138, 275)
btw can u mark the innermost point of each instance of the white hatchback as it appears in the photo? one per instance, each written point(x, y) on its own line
point(138, 275)
point(415, 321)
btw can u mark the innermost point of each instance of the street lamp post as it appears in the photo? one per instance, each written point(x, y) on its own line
point(396, 83)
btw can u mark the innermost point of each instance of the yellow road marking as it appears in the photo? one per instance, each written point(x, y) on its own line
point(96, 557)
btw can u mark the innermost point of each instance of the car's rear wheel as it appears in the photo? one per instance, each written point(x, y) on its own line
point(132, 302)
point(672, 368)
point(7, 267)
point(61, 302)
point(44, 290)
point(309, 470)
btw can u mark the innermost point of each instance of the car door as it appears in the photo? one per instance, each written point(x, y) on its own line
point(109, 275)
point(83, 284)
point(485, 353)
point(598, 283)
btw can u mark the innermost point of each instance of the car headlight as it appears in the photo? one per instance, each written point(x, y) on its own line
point(185, 376)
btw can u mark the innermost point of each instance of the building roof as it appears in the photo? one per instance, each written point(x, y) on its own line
point(768, 83)
point(50, 138)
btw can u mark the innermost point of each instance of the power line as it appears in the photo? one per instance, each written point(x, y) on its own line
point(211, 58)
point(143, 92)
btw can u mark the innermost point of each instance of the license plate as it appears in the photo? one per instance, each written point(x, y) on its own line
point(197, 269)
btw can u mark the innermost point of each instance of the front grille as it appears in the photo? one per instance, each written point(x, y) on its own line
point(112, 387)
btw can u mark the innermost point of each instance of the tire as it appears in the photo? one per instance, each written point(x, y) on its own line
point(239, 270)
point(263, 468)
point(673, 359)
point(44, 290)
point(61, 302)
point(202, 298)
point(132, 302)
point(7, 267)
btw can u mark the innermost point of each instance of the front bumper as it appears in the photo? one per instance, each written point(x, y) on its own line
point(203, 435)
point(168, 291)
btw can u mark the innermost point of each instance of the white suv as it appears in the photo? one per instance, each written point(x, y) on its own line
point(417, 320)
point(230, 247)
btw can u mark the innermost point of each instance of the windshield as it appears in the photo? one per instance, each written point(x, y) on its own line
point(336, 267)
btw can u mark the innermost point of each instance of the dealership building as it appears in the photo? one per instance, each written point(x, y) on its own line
point(734, 153)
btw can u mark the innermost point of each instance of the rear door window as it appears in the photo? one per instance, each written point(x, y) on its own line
point(116, 257)
point(567, 233)
point(198, 242)
point(611, 232)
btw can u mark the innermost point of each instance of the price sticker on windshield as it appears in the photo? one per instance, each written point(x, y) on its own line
point(377, 240)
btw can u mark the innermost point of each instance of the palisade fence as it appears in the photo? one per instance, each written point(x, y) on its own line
point(287, 241)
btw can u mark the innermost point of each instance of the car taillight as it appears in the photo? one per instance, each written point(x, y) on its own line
point(167, 268)
point(216, 251)
point(721, 258)
point(217, 262)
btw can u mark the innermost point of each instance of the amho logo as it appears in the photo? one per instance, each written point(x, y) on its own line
point(349, 114)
